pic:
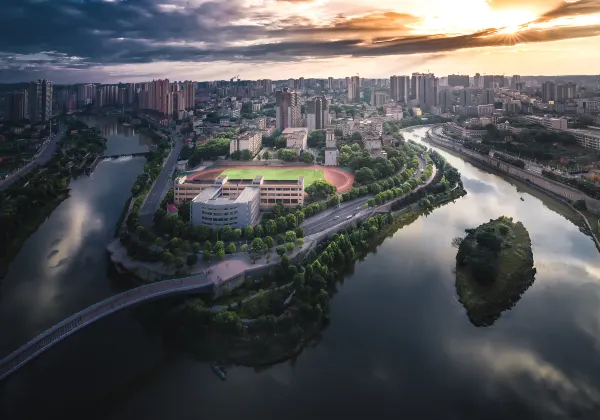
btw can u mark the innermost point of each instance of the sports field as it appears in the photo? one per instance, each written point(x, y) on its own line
point(310, 174)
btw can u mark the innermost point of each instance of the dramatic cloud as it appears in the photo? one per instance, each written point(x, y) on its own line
point(53, 35)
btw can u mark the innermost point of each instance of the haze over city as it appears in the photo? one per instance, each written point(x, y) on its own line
point(109, 41)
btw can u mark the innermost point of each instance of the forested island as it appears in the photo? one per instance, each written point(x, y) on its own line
point(494, 267)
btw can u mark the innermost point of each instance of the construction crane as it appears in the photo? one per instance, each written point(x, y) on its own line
point(235, 77)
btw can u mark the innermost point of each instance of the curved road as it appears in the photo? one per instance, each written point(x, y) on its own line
point(44, 157)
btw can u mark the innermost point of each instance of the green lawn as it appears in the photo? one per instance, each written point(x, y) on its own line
point(310, 175)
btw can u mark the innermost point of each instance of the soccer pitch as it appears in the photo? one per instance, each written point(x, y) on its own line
point(310, 175)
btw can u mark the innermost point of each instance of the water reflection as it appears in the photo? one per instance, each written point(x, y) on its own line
point(398, 344)
point(121, 138)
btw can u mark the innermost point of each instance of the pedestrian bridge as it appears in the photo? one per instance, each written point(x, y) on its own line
point(196, 284)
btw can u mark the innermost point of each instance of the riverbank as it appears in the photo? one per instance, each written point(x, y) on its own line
point(581, 219)
point(277, 336)
point(27, 203)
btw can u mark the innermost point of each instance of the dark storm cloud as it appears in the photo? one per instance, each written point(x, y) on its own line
point(69, 34)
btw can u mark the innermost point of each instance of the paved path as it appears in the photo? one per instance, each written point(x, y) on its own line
point(42, 158)
point(160, 185)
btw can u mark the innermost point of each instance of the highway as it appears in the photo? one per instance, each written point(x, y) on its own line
point(42, 158)
point(160, 185)
point(331, 218)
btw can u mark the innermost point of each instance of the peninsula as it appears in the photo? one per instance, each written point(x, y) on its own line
point(494, 267)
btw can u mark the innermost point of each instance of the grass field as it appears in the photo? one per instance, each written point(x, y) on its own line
point(310, 175)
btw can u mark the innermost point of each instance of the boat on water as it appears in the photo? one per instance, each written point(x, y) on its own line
point(219, 371)
point(522, 199)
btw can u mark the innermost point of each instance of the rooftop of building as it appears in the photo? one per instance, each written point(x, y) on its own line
point(213, 195)
point(223, 179)
point(295, 130)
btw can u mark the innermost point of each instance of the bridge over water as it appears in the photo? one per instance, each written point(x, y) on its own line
point(199, 283)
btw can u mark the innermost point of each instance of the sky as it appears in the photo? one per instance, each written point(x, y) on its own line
point(111, 41)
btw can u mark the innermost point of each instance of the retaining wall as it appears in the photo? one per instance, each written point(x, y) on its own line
point(554, 187)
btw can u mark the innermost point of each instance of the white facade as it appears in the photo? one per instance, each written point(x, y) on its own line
point(331, 151)
point(251, 141)
point(296, 138)
point(586, 138)
point(549, 123)
point(485, 110)
point(211, 208)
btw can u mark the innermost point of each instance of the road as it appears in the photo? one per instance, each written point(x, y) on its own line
point(160, 185)
point(331, 218)
point(42, 158)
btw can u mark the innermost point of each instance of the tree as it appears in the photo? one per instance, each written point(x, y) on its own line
point(178, 261)
point(356, 147)
point(290, 220)
point(267, 155)
point(248, 232)
point(167, 258)
point(244, 248)
point(299, 232)
point(365, 176)
point(308, 157)
point(220, 253)
point(269, 242)
point(290, 236)
point(300, 242)
point(280, 250)
point(257, 245)
point(206, 255)
point(281, 224)
point(192, 260)
point(288, 155)
point(195, 247)
point(320, 188)
point(290, 247)
point(271, 227)
point(231, 248)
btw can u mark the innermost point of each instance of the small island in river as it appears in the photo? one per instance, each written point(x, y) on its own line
point(494, 267)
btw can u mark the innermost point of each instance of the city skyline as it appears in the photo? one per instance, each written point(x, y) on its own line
point(111, 41)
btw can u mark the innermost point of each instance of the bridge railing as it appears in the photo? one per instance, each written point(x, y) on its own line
point(78, 318)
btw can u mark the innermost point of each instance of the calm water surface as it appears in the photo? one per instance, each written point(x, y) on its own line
point(399, 345)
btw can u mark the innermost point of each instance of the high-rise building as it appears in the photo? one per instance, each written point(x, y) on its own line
point(330, 83)
point(287, 109)
point(493, 81)
point(548, 92)
point(317, 113)
point(425, 89)
point(130, 92)
point(445, 99)
point(571, 90)
point(478, 81)
point(514, 80)
point(39, 100)
point(18, 105)
point(458, 80)
point(354, 89)
point(378, 98)
point(189, 95)
point(400, 88)
point(466, 97)
point(487, 97)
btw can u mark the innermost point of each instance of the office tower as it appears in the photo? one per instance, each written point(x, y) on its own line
point(122, 96)
point(515, 79)
point(478, 81)
point(330, 83)
point(487, 97)
point(18, 105)
point(548, 92)
point(354, 89)
point(520, 86)
point(378, 98)
point(466, 97)
point(445, 99)
point(317, 113)
point(39, 100)
point(287, 109)
point(458, 80)
point(400, 88)
point(266, 86)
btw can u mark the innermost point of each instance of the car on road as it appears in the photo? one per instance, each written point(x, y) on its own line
point(349, 217)
point(336, 217)
point(358, 208)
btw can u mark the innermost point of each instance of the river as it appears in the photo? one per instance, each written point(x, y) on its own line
point(398, 345)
